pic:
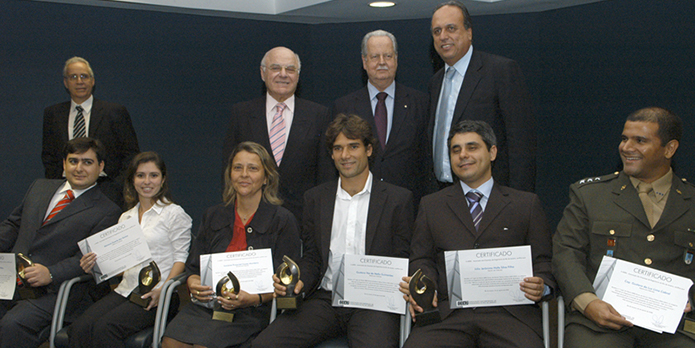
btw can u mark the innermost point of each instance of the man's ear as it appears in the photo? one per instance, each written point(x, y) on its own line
point(671, 148)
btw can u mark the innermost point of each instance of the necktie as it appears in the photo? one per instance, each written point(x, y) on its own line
point(277, 133)
point(380, 118)
point(442, 167)
point(475, 208)
point(644, 189)
point(69, 196)
point(79, 129)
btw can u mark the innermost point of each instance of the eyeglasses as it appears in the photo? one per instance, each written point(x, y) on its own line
point(275, 68)
point(74, 77)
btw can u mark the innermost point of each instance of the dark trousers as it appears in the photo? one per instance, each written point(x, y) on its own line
point(22, 321)
point(317, 320)
point(488, 327)
point(108, 322)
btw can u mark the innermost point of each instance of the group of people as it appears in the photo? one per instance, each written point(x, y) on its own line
point(464, 155)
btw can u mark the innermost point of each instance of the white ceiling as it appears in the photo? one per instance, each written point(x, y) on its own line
point(325, 11)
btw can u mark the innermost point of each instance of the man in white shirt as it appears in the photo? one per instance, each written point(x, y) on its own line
point(45, 227)
point(353, 215)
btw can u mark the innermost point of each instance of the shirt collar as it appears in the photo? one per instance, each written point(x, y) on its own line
point(661, 186)
point(462, 65)
point(367, 189)
point(77, 193)
point(270, 102)
point(485, 188)
point(373, 91)
point(86, 105)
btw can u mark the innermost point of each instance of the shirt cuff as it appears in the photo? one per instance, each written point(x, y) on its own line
point(582, 300)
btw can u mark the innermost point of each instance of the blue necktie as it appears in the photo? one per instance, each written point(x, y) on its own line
point(442, 166)
point(475, 208)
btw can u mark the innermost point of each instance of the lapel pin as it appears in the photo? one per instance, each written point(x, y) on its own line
point(622, 188)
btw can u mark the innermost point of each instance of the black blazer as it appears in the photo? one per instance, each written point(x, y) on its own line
point(305, 162)
point(389, 226)
point(511, 218)
point(494, 91)
point(110, 123)
point(405, 161)
point(54, 245)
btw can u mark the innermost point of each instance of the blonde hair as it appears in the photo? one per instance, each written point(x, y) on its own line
point(270, 190)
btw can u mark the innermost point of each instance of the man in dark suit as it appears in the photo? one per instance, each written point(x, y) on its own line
point(477, 213)
point(288, 127)
point(355, 215)
point(643, 214)
point(397, 114)
point(46, 226)
point(479, 86)
point(84, 116)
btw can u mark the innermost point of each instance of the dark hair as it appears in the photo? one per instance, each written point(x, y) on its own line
point(130, 194)
point(467, 22)
point(469, 126)
point(353, 127)
point(670, 125)
point(82, 145)
point(270, 190)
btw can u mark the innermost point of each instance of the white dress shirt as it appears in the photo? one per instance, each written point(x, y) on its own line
point(349, 228)
point(287, 114)
point(167, 230)
point(86, 112)
point(61, 193)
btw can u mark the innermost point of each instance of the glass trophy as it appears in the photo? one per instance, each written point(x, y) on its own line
point(423, 290)
point(288, 273)
point(229, 284)
point(148, 278)
point(26, 291)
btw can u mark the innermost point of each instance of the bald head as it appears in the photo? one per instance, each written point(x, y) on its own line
point(280, 71)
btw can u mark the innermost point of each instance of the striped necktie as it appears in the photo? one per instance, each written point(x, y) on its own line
point(79, 129)
point(69, 196)
point(475, 208)
point(277, 133)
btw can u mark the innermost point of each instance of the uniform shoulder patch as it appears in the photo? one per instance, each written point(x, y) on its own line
point(596, 179)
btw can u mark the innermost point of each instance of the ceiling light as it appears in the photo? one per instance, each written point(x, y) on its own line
point(382, 4)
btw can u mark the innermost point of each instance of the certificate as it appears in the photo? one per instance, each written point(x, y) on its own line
point(645, 296)
point(253, 268)
point(118, 248)
point(8, 276)
point(488, 277)
point(370, 282)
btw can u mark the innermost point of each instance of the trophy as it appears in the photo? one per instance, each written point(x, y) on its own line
point(422, 290)
point(148, 279)
point(288, 272)
point(26, 291)
point(230, 284)
point(689, 318)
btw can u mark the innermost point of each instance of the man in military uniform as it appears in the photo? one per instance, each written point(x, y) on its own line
point(644, 214)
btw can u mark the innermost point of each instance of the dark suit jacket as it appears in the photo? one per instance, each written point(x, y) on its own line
point(404, 161)
point(305, 162)
point(389, 226)
point(609, 207)
point(54, 245)
point(110, 123)
point(494, 91)
point(511, 218)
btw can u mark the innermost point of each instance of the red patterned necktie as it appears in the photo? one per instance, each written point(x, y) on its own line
point(69, 196)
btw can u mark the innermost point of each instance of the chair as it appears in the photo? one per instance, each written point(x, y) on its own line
point(560, 322)
point(145, 338)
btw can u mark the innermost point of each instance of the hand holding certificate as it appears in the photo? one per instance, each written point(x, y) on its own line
point(647, 297)
point(118, 248)
point(8, 276)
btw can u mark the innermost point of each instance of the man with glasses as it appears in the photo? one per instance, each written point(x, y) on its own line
point(85, 116)
point(397, 114)
point(288, 127)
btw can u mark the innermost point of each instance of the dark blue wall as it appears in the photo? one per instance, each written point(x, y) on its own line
point(586, 66)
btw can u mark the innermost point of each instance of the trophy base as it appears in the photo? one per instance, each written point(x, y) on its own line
point(288, 302)
point(428, 317)
point(223, 315)
point(29, 293)
point(135, 298)
point(688, 325)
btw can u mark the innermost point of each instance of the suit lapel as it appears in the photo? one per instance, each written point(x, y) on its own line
point(84, 201)
point(456, 201)
point(377, 201)
point(435, 89)
point(298, 132)
point(95, 117)
point(327, 201)
point(258, 124)
point(62, 121)
point(676, 204)
point(400, 113)
point(495, 204)
point(470, 82)
point(627, 198)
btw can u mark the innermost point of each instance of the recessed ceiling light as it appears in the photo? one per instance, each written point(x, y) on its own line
point(382, 4)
